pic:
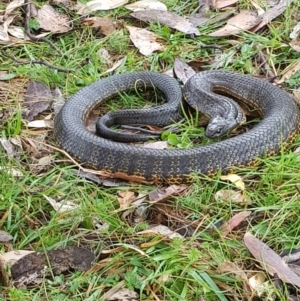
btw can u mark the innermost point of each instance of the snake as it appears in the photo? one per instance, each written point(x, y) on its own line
point(279, 125)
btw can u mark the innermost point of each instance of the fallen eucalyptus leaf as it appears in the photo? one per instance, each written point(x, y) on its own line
point(245, 20)
point(144, 40)
point(166, 18)
point(270, 260)
point(146, 5)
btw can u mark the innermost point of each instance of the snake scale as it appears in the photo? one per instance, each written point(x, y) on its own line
point(279, 125)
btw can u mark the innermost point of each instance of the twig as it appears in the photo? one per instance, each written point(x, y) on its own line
point(30, 35)
point(38, 62)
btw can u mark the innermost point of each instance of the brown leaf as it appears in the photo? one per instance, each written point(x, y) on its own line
point(269, 15)
point(162, 230)
point(100, 5)
point(245, 20)
point(234, 222)
point(182, 70)
point(230, 195)
point(146, 5)
point(166, 18)
point(12, 6)
point(197, 19)
point(144, 40)
point(223, 3)
point(38, 98)
point(228, 266)
point(106, 25)
point(5, 236)
point(162, 194)
point(53, 21)
point(11, 146)
point(123, 294)
point(125, 198)
point(270, 260)
point(295, 45)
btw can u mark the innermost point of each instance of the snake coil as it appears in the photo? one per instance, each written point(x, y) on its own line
point(280, 124)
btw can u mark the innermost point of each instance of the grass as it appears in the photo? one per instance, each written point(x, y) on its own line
point(155, 267)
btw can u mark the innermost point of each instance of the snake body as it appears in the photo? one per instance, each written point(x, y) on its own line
point(279, 125)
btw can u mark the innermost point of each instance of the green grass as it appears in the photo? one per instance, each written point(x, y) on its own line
point(156, 268)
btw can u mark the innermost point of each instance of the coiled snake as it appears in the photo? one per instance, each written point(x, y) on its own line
point(280, 124)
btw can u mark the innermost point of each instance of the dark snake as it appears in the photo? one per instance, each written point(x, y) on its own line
point(279, 125)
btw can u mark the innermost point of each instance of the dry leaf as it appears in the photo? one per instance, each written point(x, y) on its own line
point(157, 145)
point(295, 45)
point(270, 260)
point(245, 20)
point(125, 198)
point(16, 31)
point(5, 236)
point(229, 195)
point(158, 195)
point(296, 93)
point(123, 294)
point(288, 72)
point(295, 32)
point(182, 70)
point(12, 6)
point(162, 230)
point(223, 3)
point(9, 258)
point(13, 172)
point(144, 40)
point(228, 266)
point(58, 101)
point(256, 281)
point(105, 56)
point(146, 5)
point(234, 222)
point(53, 21)
point(269, 15)
point(115, 66)
point(9, 146)
point(38, 124)
point(170, 19)
point(106, 25)
point(38, 98)
point(234, 179)
point(95, 5)
point(62, 206)
point(4, 29)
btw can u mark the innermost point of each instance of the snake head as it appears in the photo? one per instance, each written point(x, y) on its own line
point(219, 126)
